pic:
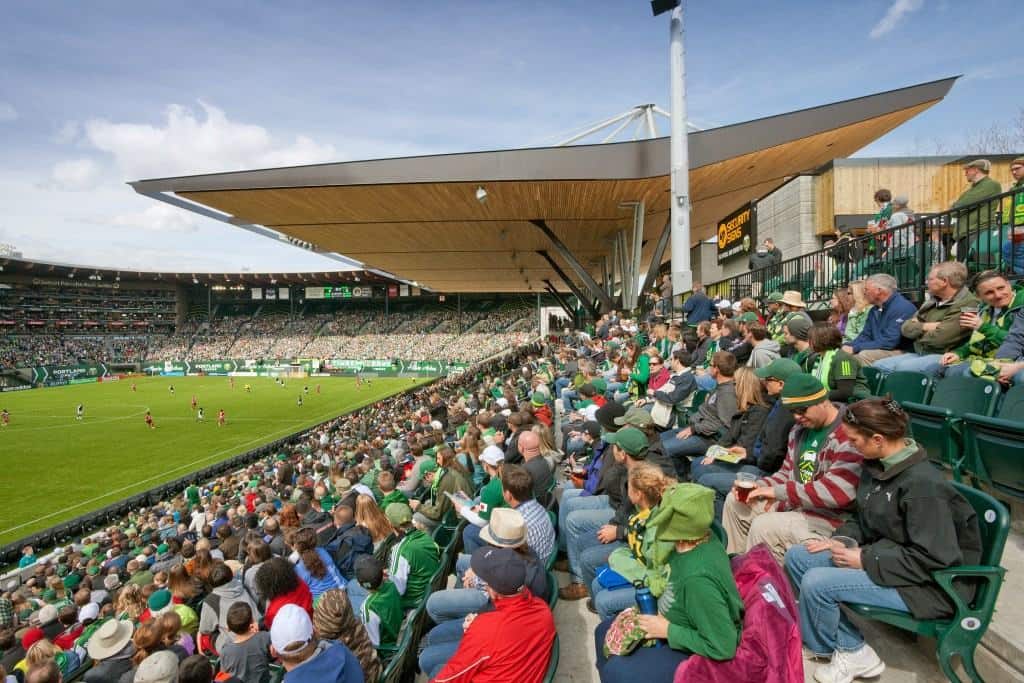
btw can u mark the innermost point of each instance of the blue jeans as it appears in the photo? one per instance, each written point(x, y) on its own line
point(581, 533)
point(682, 450)
point(471, 538)
point(440, 644)
point(646, 663)
point(455, 603)
point(720, 476)
point(592, 558)
point(572, 500)
point(958, 370)
point(568, 398)
point(575, 446)
point(1017, 264)
point(609, 602)
point(560, 384)
point(823, 587)
point(609, 392)
point(910, 362)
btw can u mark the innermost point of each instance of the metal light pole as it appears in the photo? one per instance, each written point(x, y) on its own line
point(682, 276)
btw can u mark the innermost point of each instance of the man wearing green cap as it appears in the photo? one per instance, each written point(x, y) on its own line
point(762, 457)
point(776, 316)
point(816, 486)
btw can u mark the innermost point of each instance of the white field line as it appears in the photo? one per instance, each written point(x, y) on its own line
point(263, 437)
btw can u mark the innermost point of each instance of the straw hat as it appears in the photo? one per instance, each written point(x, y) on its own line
point(109, 639)
point(793, 298)
point(506, 528)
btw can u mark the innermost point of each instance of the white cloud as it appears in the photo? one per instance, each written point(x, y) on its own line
point(75, 175)
point(897, 10)
point(190, 142)
point(68, 133)
point(7, 112)
point(162, 218)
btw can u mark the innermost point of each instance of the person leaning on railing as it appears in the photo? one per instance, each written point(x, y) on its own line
point(977, 218)
point(1014, 220)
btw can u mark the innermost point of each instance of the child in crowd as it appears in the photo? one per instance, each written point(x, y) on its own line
point(247, 654)
point(382, 610)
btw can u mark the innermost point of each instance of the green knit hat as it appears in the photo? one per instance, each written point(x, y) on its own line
point(685, 513)
point(780, 368)
point(159, 600)
point(746, 317)
point(398, 514)
point(538, 399)
point(71, 581)
point(631, 440)
point(775, 297)
point(802, 390)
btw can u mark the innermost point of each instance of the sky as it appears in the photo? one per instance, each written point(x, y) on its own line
point(96, 94)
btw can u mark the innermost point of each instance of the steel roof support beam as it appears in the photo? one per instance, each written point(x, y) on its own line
point(563, 251)
point(659, 253)
point(560, 299)
point(584, 301)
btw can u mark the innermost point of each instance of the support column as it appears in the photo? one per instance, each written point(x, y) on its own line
point(561, 300)
point(659, 253)
point(563, 251)
point(584, 301)
point(682, 275)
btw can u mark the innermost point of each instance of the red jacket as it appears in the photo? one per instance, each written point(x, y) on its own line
point(770, 648)
point(543, 413)
point(300, 596)
point(511, 643)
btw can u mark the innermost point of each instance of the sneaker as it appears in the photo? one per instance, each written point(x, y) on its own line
point(846, 666)
point(812, 657)
point(590, 605)
point(574, 591)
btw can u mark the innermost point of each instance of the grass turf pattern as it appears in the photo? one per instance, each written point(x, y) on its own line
point(54, 468)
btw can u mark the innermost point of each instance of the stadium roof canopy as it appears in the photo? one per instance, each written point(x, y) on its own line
point(546, 210)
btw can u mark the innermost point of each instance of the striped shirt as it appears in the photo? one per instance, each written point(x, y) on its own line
point(832, 488)
point(540, 534)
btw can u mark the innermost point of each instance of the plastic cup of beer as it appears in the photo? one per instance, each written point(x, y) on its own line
point(745, 483)
point(845, 541)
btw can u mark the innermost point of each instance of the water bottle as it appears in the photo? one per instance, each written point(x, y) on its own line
point(646, 603)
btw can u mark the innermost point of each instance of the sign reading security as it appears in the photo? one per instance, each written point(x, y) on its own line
point(736, 232)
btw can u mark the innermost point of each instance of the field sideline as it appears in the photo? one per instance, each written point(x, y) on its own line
point(56, 468)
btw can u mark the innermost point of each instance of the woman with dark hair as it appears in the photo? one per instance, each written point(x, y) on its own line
point(838, 370)
point(277, 585)
point(910, 522)
point(334, 619)
point(450, 477)
point(842, 304)
point(256, 554)
point(315, 566)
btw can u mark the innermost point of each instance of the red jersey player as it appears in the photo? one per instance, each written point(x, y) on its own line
point(195, 402)
point(5, 418)
point(318, 388)
point(221, 418)
point(149, 421)
point(133, 386)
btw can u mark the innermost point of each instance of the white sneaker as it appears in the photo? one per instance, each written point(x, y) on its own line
point(846, 666)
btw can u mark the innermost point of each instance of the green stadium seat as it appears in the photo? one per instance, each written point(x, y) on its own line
point(553, 588)
point(874, 379)
point(906, 386)
point(938, 426)
point(550, 562)
point(549, 677)
point(994, 446)
point(960, 635)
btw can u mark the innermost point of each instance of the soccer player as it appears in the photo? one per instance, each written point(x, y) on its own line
point(318, 388)
point(80, 412)
point(133, 387)
point(305, 389)
point(232, 381)
point(359, 381)
point(5, 418)
point(248, 388)
point(171, 389)
point(200, 415)
point(149, 421)
point(221, 418)
point(298, 401)
point(195, 402)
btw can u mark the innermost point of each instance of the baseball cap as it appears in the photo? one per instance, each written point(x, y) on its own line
point(780, 368)
point(493, 456)
point(398, 514)
point(635, 417)
point(631, 440)
point(291, 627)
point(502, 569)
point(90, 611)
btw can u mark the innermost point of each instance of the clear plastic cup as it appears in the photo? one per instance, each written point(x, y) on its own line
point(846, 541)
point(745, 483)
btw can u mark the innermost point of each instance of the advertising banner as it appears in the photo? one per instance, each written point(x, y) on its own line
point(56, 375)
point(737, 232)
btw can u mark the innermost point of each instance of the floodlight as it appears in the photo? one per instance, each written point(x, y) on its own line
point(662, 6)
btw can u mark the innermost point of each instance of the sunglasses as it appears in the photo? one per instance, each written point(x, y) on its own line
point(802, 410)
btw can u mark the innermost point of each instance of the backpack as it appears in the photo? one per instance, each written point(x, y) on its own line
point(346, 546)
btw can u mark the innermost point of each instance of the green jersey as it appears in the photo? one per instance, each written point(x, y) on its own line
point(414, 559)
point(382, 613)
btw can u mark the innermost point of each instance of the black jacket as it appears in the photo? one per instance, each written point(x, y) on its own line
point(774, 440)
point(911, 522)
point(655, 456)
point(745, 427)
point(682, 383)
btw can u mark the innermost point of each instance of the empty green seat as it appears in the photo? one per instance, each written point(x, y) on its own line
point(553, 662)
point(937, 427)
point(994, 446)
point(960, 635)
point(906, 386)
point(874, 379)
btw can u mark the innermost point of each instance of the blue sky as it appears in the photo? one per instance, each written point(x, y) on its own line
point(94, 94)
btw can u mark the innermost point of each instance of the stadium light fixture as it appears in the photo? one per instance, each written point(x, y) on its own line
point(662, 6)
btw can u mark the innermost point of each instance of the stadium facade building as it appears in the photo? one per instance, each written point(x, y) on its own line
point(812, 207)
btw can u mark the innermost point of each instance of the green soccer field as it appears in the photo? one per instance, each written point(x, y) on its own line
point(55, 468)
